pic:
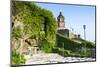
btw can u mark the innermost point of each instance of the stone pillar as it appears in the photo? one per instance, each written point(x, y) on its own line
point(35, 49)
point(21, 46)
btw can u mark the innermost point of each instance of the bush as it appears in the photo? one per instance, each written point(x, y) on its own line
point(47, 46)
point(61, 51)
point(88, 44)
point(17, 58)
point(84, 53)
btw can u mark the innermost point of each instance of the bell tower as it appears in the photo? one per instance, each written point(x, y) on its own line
point(61, 22)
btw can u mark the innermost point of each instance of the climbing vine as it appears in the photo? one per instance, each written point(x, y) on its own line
point(37, 22)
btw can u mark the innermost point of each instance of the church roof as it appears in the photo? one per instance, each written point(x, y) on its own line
point(60, 15)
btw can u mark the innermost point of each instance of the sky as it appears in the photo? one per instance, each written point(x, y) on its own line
point(75, 17)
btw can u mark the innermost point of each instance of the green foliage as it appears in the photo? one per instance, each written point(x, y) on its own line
point(65, 52)
point(72, 48)
point(34, 18)
point(16, 33)
point(41, 24)
point(84, 52)
point(90, 44)
point(17, 58)
point(87, 44)
point(47, 46)
point(68, 44)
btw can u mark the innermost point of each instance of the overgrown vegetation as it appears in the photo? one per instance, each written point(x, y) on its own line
point(17, 58)
point(68, 44)
point(33, 21)
point(67, 47)
point(40, 24)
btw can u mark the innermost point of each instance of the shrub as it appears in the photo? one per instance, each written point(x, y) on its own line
point(84, 52)
point(17, 58)
point(88, 44)
point(47, 46)
point(61, 51)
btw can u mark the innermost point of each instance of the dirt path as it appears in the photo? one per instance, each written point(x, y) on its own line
point(54, 58)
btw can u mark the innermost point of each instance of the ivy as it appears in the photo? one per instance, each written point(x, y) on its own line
point(37, 21)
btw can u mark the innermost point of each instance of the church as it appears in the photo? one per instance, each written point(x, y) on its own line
point(65, 31)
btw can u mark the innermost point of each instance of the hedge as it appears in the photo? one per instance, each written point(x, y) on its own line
point(72, 48)
point(68, 44)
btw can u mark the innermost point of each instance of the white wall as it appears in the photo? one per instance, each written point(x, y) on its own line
point(5, 33)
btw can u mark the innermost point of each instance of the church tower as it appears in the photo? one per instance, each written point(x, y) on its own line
point(61, 25)
point(61, 22)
